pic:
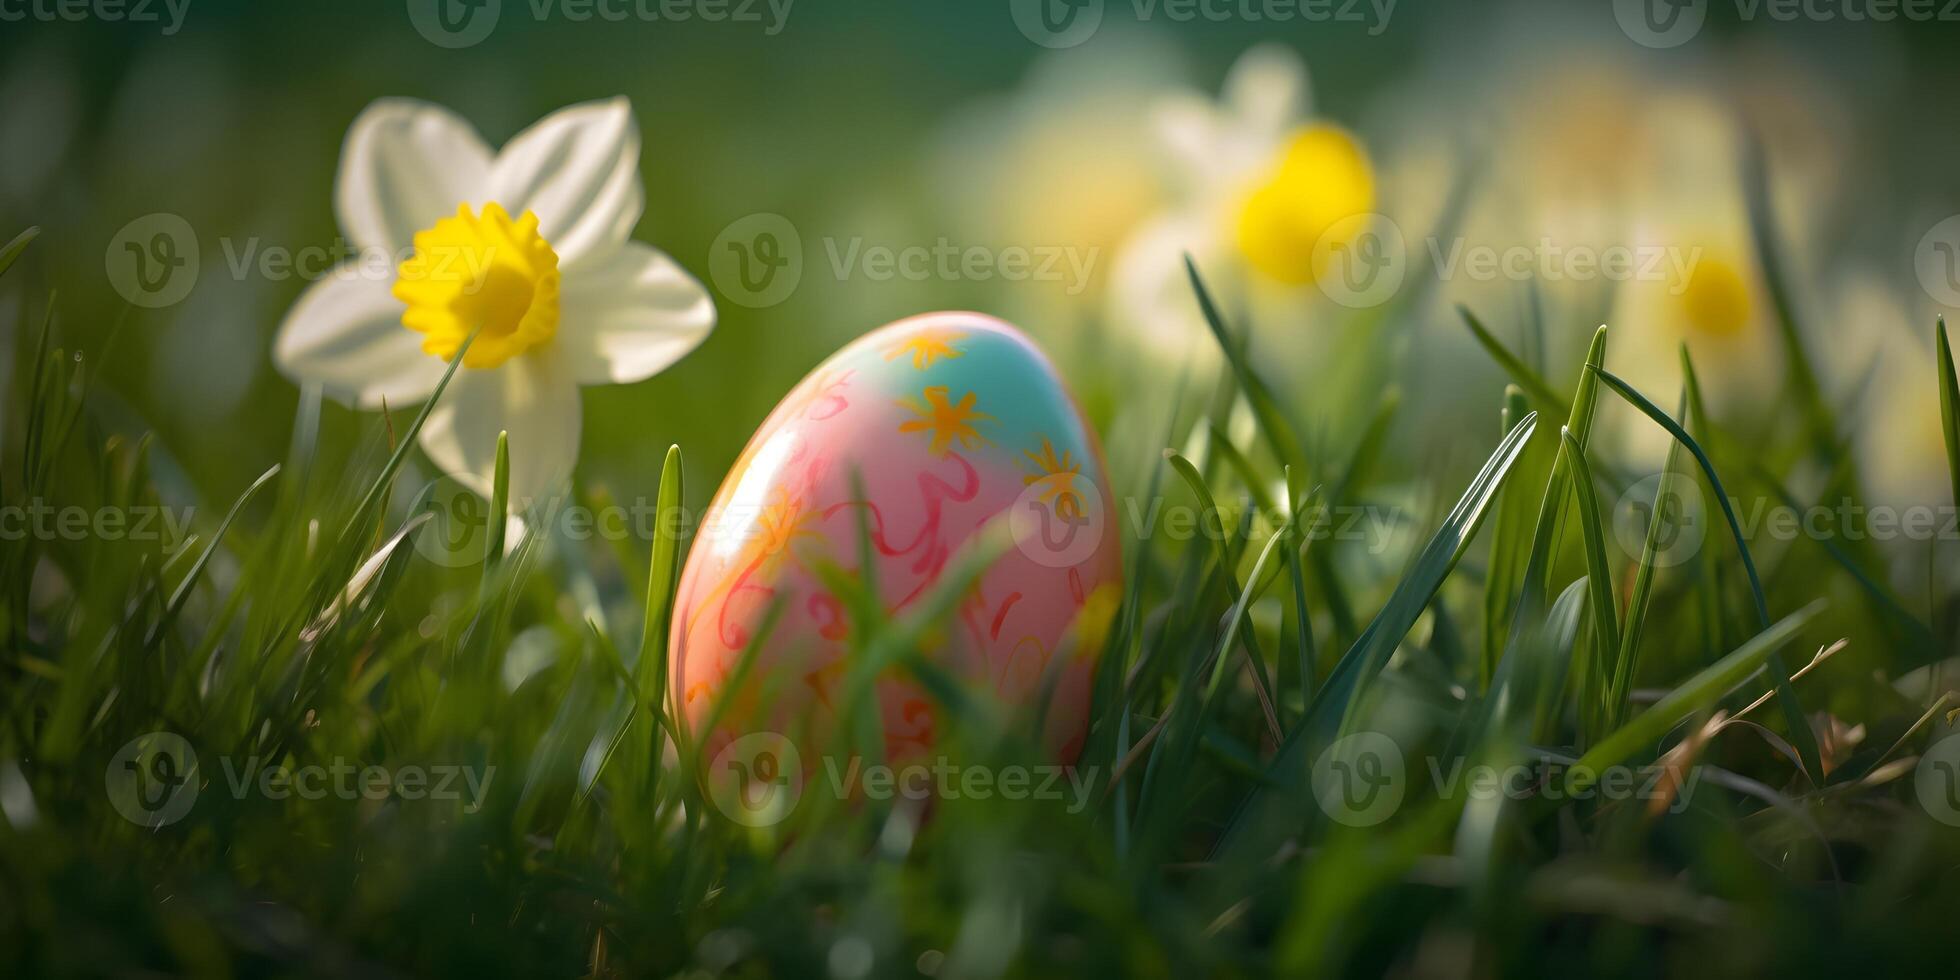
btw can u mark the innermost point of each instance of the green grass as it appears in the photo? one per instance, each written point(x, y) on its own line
point(302, 625)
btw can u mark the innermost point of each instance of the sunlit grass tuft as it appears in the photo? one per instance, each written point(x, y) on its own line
point(302, 623)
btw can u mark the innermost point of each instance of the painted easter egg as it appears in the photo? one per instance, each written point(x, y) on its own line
point(949, 421)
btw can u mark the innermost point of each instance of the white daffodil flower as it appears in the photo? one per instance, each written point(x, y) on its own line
point(530, 245)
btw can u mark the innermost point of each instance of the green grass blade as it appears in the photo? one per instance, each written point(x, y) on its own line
point(1248, 473)
point(1800, 733)
point(1236, 619)
point(1606, 624)
point(1550, 527)
point(650, 667)
point(1708, 600)
point(11, 252)
point(1949, 408)
point(1652, 411)
point(868, 607)
point(183, 592)
point(1273, 424)
point(1276, 808)
point(1227, 561)
point(378, 489)
point(1880, 593)
point(1360, 665)
point(1700, 691)
point(1950, 427)
point(493, 548)
point(1526, 686)
point(38, 401)
point(1509, 545)
point(1643, 584)
point(1520, 372)
point(1302, 621)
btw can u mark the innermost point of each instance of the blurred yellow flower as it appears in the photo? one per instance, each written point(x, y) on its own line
point(1705, 287)
point(1702, 289)
point(1322, 177)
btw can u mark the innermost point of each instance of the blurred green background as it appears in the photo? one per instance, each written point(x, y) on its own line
point(904, 123)
point(1529, 130)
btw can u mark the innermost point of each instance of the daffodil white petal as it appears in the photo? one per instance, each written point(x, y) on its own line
point(1190, 129)
point(630, 314)
point(405, 165)
point(1150, 291)
point(1266, 90)
point(534, 399)
point(1220, 143)
point(578, 169)
point(346, 333)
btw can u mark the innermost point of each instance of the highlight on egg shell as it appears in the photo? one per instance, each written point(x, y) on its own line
point(951, 423)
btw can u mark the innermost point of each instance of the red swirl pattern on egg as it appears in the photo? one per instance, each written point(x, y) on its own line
point(949, 421)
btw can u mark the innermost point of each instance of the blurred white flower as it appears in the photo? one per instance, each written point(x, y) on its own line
point(1697, 280)
point(1066, 160)
point(1703, 288)
point(528, 244)
point(1883, 370)
point(1260, 185)
point(1599, 153)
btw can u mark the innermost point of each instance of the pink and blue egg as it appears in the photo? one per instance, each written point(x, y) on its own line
point(949, 421)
